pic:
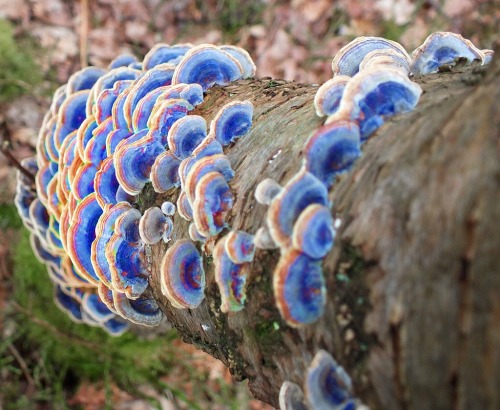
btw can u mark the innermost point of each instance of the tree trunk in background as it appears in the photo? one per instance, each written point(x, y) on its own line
point(413, 310)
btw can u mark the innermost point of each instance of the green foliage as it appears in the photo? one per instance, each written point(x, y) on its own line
point(18, 71)
point(9, 217)
point(236, 14)
point(68, 352)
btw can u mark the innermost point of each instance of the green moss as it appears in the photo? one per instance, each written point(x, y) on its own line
point(235, 14)
point(9, 217)
point(351, 290)
point(75, 352)
point(268, 334)
point(18, 71)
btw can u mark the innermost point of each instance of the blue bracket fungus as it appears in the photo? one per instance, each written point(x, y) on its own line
point(230, 277)
point(327, 385)
point(182, 275)
point(349, 57)
point(154, 226)
point(443, 48)
point(207, 65)
point(299, 288)
point(332, 150)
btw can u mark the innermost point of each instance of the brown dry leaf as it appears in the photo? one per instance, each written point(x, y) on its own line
point(60, 42)
point(399, 11)
point(54, 12)
point(15, 10)
point(454, 8)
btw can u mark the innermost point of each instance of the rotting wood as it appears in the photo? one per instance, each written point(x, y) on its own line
point(413, 311)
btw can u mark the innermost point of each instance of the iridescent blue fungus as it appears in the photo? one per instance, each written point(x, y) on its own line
point(83, 183)
point(299, 288)
point(142, 311)
point(313, 233)
point(145, 106)
point(116, 326)
point(213, 201)
point(186, 134)
point(105, 100)
point(125, 254)
point(43, 254)
point(168, 208)
point(164, 53)
point(195, 172)
point(159, 76)
point(84, 134)
point(95, 150)
point(332, 150)
point(207, 65)
point(81, 234)
point(230, 278)
point(23, 199)
point(155, 226)
point(123, 60)
point(443, 48)
point(134, 159)
point(239, 246)
point(165, 114)
point(243, 58)
point(70, 117)
point(105, 183)
point(374, 94)
point(234, 120)
point(182, 276)
point(301, 191)
point(184, 207)
point(105, 228)
point(115, 137)
point(347, 60)
point(291, 397)
point(84, 79)
point(327, 384)
point(386, 57)
point(109, 80)
point(68, 305)
point(266, 191)
point(165, 172)
point(96, 308)
point(328, 96)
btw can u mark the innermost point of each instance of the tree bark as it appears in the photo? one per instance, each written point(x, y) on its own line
point(413, 310)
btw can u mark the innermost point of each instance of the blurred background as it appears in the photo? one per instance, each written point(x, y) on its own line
point(48, 362)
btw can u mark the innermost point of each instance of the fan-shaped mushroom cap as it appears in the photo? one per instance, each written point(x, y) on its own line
point(182, 275)
point(443, 48)
point(301, 191)
point(230, 278)
point(207, 65)
point(299, 288)
point(332, 150)
point(328, 96)
point(347, 60)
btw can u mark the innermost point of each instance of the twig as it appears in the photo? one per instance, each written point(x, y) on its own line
point(22, 365)
point(84, 32)
point(93, 346)
point(5, 150)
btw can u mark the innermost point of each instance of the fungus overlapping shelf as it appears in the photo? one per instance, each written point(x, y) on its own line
point(108, 133)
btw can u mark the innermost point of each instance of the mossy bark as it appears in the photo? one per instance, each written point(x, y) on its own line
point(413, 310)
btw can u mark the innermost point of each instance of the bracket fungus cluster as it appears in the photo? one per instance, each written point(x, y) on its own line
point(107, 134)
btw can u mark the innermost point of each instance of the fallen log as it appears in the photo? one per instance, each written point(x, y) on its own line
point(413, 311)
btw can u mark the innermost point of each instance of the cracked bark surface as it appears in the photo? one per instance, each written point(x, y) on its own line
point(413, 310)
